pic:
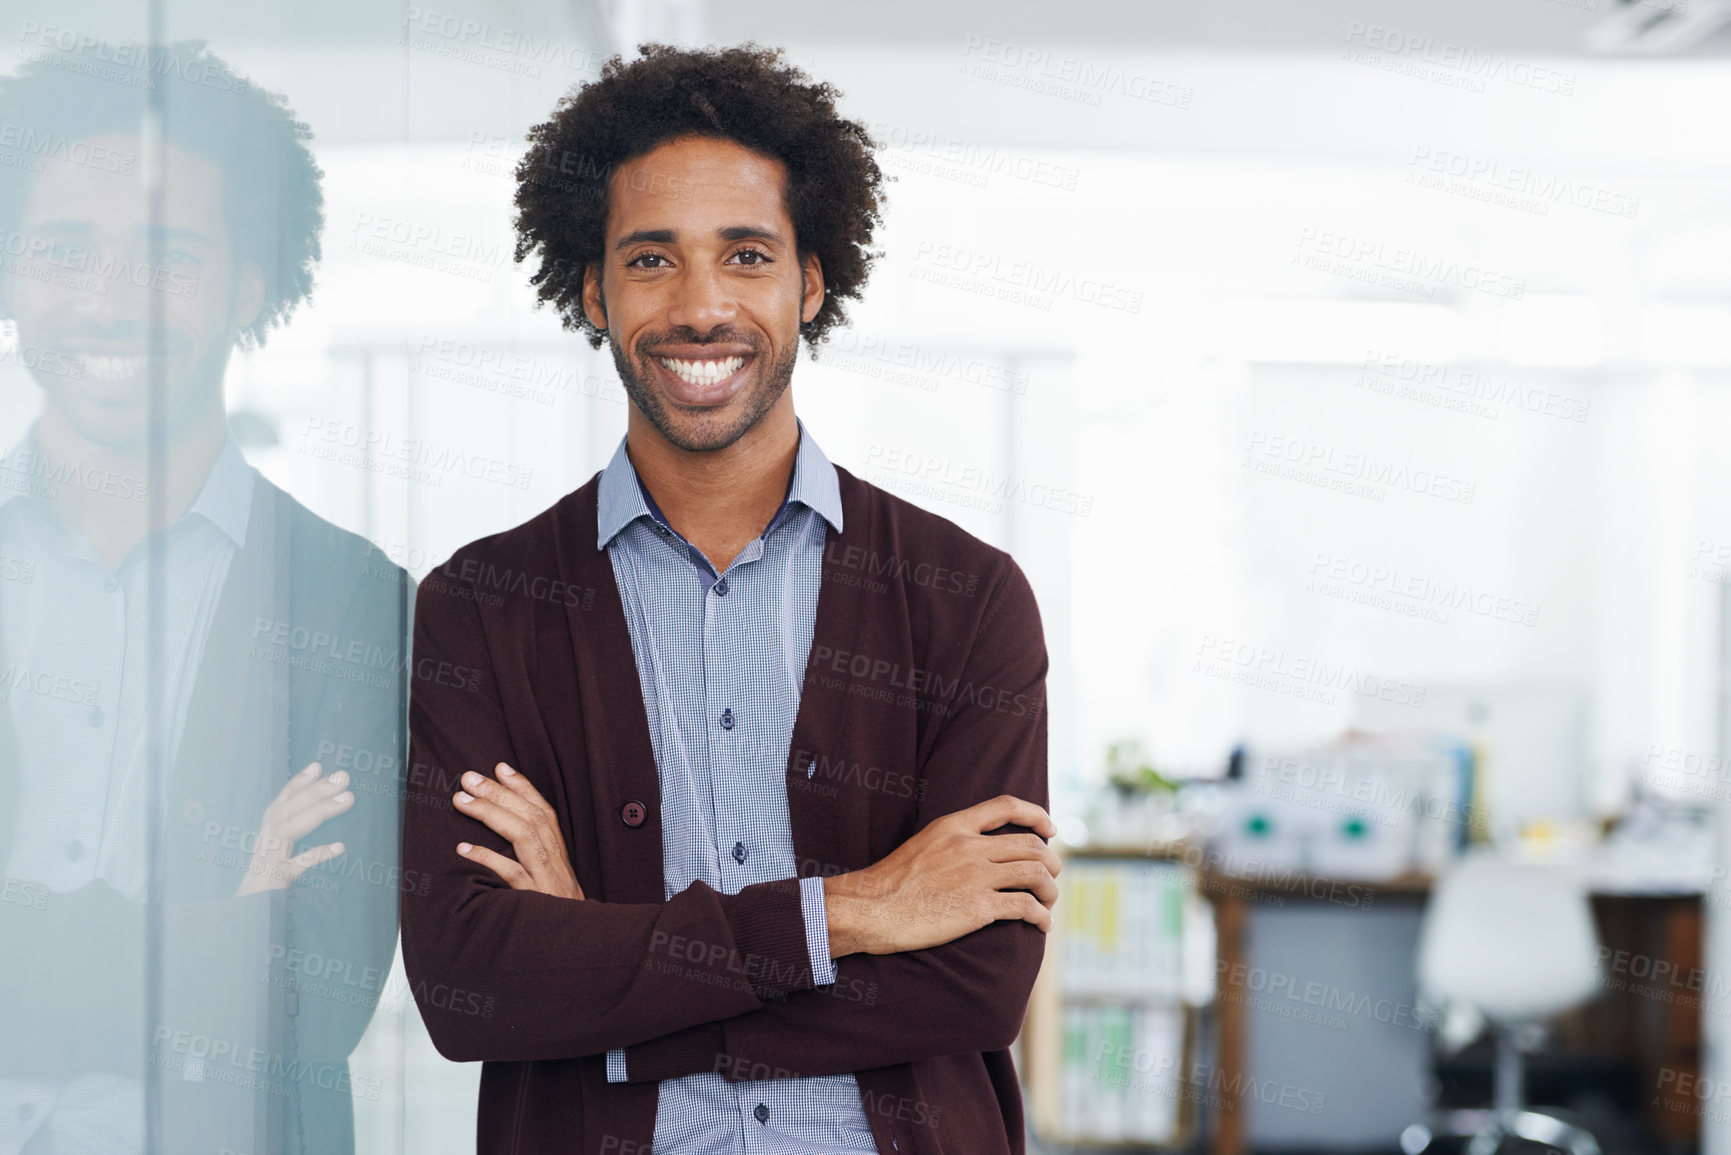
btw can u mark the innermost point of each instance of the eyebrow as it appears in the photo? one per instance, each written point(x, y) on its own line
point(653, 236)
point(730, 233)
point(750, 233)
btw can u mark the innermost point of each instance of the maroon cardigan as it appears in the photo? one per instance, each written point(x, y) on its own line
point(924, 693)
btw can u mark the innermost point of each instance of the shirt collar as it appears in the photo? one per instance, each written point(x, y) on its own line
point(224, 500)
point(621, 498)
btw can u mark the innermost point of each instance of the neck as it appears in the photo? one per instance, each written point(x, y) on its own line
point(720, 500)
point(112, 516)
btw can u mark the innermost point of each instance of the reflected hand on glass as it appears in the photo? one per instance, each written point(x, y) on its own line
point(300, 808)
point(516, 812)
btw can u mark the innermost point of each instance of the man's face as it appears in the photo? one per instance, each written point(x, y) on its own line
point(701, 290)
point(82, 297)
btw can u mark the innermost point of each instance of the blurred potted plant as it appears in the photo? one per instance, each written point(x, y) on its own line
point(1130, 771)
point(1139, 796)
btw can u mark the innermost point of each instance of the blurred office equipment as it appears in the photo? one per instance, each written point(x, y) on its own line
point(1659, 845)
point(1515, 943)
point(1362, 807)
point(1527, 744)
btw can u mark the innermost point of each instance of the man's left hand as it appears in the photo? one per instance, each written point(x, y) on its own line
point(515, 810)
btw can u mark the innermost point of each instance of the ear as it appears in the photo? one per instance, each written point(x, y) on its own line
point(594, 305)
point(248, 294)
point(811, 284)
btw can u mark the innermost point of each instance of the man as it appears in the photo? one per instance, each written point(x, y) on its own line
point(747, 853)
point(163, 714)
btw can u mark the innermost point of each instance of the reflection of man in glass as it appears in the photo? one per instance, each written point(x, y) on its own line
point(199, 736)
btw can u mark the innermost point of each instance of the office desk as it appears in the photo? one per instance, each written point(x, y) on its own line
point(1653, 1023)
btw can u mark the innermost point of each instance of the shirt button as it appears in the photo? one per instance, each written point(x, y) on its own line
point(739, 852)
point(633, 813)
point(727, 719)
point(96, 715)
point(74, 850)
point(762, 1113)
point(109, 585)
point(721, 588)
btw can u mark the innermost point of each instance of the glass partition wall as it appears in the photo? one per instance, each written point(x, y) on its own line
point(267, 361)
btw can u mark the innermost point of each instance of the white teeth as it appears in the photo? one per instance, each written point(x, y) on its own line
point(702, 372)
point(112, 368)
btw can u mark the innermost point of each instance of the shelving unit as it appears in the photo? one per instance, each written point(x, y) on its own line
point(1109, 1033)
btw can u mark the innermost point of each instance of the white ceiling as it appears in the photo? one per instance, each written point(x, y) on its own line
point(1543, 27)
point(1532, 26)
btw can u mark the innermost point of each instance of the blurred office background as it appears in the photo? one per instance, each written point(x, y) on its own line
point(1349, 378)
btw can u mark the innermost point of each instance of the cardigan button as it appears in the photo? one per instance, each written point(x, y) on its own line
point(633, 813)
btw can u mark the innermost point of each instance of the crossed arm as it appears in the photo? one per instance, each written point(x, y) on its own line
point(937, 945)
point(940, 885)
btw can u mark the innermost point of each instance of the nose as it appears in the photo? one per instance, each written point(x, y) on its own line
point(702, 301)
point(119, 314)
point(103, 292)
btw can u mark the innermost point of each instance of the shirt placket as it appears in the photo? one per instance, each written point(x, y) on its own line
point(720, 689)
point(139, 684)
point(127, 597)
point(728, 671)
point(78, 686)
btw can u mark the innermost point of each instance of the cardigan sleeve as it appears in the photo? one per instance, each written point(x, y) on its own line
point(502, 974)
point(969, 995)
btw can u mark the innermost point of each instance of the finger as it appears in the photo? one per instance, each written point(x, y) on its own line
point(1007, 808)
point(506, 868)
point(307, 859)
point(315, 814)
point(520, 785)
point(311, 794)
point(507, 824)
point(1027, 875)
point(294, 786)
point(1015, 904)
point(1014, 847)
point(484, 787)
point(548, 852)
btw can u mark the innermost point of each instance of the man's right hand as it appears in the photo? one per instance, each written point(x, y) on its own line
point(948, 880)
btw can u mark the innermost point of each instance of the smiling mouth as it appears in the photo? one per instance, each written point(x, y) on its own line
point(702, 372)
point(109, 367)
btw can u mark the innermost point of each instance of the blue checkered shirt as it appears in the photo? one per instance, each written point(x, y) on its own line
point(721, 658)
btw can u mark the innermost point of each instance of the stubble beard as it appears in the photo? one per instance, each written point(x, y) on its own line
point(770, 384)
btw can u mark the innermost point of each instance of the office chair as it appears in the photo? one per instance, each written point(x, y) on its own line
point(1516, 943)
